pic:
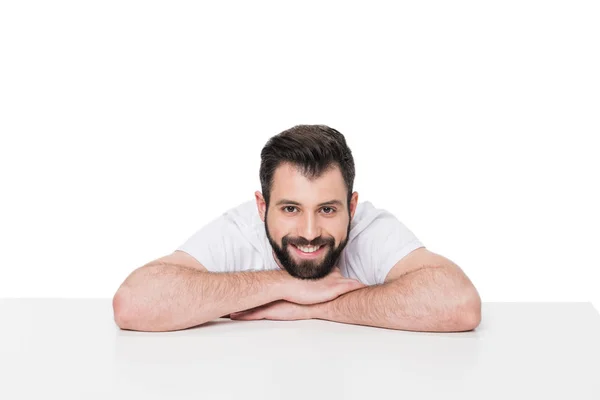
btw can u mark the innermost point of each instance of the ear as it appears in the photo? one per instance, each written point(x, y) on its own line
point(260, 205)
point(353, 204)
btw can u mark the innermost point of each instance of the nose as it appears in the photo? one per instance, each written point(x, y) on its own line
point(308, 227)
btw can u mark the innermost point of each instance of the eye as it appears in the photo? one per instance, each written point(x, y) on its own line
point(331, 210)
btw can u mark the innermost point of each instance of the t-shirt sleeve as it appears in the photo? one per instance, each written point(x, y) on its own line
point(387, 241)
point(221, 246)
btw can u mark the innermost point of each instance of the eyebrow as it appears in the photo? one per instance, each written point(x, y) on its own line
point(327, 203)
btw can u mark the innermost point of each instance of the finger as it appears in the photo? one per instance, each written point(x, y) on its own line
point(249, 310)
point(247, 316)
point(251, 313)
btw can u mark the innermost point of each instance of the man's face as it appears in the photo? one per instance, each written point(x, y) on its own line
point(309, 222)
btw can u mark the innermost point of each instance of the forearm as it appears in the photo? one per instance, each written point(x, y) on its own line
point(435, 299)
point(169, 297)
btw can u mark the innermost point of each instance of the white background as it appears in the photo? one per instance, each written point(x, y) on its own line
point(126, 126)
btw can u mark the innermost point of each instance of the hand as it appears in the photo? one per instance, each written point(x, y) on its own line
point(279, 310)
point(307, 291)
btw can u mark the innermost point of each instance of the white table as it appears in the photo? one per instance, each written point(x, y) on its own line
point(72, 349)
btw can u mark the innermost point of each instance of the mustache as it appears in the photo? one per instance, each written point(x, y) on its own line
point(305, 243)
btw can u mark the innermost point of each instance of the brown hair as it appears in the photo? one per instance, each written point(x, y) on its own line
point(314, 149)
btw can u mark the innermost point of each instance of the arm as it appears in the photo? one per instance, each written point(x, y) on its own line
point(168, 297)
point(431, 298)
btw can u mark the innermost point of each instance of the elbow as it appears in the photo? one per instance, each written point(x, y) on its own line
point(470, 321)
point(130, 315)
point(469, 313)
point(121, 310)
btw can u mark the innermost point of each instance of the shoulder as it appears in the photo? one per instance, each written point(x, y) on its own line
point(376, 238)
point(366, 219)
point(379, 229)
point(244, 214)
point(226, 243)
point(355, 260)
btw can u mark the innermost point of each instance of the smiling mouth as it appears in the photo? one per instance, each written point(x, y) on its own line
point(313, 254)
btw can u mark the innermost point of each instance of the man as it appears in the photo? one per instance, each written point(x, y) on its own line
point(304, 249)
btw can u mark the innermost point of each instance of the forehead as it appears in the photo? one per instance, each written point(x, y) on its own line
point(289, 183)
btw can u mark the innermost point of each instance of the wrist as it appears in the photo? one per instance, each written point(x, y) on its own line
point(285, 285)
point(319, 310)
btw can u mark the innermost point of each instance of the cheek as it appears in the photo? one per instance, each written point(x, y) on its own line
point(280, 228)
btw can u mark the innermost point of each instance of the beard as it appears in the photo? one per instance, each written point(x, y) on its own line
point(307, 269)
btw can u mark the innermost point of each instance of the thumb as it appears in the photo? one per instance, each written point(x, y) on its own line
point(240, 314)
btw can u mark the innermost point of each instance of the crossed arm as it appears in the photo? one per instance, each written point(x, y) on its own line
point(422, 292)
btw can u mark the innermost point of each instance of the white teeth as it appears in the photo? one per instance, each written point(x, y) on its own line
point(309, 249)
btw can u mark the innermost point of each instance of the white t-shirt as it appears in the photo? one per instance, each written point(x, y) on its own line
point(237, 241)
